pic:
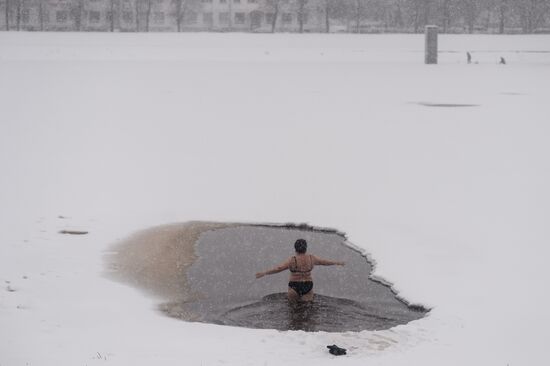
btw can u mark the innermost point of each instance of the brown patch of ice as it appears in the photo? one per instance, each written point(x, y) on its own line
point(156, 259)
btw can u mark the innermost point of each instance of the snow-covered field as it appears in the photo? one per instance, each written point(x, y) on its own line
point(113, 133)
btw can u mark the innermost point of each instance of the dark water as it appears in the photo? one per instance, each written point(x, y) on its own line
point(447, 105)
point(325, 313)
point(222, 278)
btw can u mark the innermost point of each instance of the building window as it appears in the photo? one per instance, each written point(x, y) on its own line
point(45, 16)
point(269, 18)
point(207, 1)
point(127, 5)
point(207, 18)
point(252, 1)
point(224, 18)
point(286, 18)
point(61, 16)
point(25, 16)
point(109, 16)
point(127, 17)
point(239, 18)
point(158, 17)
point(256, 19)
point(304, 18)
point(237, 1)
point(223, 1)
point(191, 18)
point(94, 16)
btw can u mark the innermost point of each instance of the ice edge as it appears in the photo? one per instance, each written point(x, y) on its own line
point(415, 306)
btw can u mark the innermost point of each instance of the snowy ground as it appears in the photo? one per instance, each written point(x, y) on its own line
point(116, 133)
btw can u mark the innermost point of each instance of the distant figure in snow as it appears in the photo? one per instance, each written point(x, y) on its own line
point(502, 61)
point(469, 57)
point(300, 285)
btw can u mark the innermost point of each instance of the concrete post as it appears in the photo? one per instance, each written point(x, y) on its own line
point(431, 45)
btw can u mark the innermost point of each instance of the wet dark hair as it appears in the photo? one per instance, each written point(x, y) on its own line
point(300, 246)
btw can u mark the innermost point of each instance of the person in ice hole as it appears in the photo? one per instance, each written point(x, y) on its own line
point(300, 265)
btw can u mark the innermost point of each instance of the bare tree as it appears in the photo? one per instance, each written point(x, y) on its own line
point(77, 12)
point(137, 10)
point(7, 13)
point(8, 9)
point(445, 15)
point(179, 13)
point(41, 14)
point(327, 12)
point(531, 13)
point(182, 9)
point(414, 10)
point(18, 4)
point(149, 4)
point(382, 11)
point(357, 10)
point(331, 9)
point(398, 14)
point(339, 10)
point(138, 7)
point(469, 10)
point(426, 11)
point(272, 7)
point(301, 14)
point(420, 12)
point(113, 11)
point(502, 12)
point(416, 14)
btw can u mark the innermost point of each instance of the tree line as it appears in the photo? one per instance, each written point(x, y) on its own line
point(456, 16)
point(452, 16)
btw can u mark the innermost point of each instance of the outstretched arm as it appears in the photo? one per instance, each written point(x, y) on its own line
point(281, 267)
point(326, 262)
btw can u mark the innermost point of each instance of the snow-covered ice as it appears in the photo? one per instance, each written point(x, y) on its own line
point(120, 132)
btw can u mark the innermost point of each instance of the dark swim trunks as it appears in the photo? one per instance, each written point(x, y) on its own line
point(301, 288)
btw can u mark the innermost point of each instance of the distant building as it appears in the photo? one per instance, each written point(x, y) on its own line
point(157, 15)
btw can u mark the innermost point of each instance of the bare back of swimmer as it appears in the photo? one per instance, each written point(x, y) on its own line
point(300, 285)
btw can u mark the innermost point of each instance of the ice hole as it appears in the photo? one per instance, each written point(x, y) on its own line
point(214, 281)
